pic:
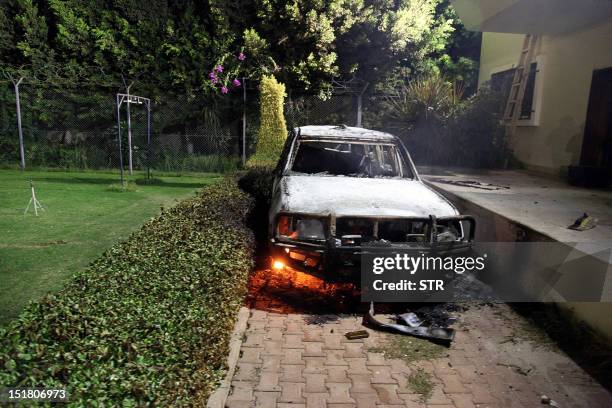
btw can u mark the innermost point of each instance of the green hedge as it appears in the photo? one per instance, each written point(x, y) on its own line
point(149, 322)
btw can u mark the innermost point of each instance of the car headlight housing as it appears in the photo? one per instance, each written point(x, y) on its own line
point(300, 228)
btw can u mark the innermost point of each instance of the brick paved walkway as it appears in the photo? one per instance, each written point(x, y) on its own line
point(301, 360)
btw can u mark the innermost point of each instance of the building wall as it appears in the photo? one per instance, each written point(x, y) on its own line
point(566, 64)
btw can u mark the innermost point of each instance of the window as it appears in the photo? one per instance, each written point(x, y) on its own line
point(502, 81)
point(350, 159)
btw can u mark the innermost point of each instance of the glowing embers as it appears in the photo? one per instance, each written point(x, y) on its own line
point(301, 228)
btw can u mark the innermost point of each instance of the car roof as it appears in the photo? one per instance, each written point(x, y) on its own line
point(343, 132)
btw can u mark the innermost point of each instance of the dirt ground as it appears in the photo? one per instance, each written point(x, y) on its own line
point(295, 354)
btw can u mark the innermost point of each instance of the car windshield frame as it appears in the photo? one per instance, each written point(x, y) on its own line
point(372, 155)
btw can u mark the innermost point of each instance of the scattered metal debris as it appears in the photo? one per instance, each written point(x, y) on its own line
point(359, 334)
point(410, 318)
point(436, 334)
point(473, 184)
point(583, 223)
point(544, 399)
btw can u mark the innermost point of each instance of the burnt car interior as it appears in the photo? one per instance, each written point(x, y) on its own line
point(350, 159)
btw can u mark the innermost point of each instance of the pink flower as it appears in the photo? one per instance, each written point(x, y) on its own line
point(224, 89)
point(219, 68)
point(214, 80)
point(236, 82)
point(241, 56)
point(212, 75)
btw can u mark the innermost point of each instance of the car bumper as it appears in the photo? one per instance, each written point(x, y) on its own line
point(333, 261)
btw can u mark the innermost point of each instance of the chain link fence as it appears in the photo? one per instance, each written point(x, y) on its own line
point(69, 131)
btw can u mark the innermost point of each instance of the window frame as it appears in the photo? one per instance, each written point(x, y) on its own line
point(536, 103)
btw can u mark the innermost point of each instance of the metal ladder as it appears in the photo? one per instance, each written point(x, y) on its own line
point(514, 103)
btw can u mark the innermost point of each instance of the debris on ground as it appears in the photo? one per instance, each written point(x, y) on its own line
point(583, 223)
point(473, 184)
point(410, 319)
point(436, 334)
point(547, 401)
point(359, 334)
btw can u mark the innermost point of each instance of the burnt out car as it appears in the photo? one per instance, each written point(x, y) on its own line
point(338, 190)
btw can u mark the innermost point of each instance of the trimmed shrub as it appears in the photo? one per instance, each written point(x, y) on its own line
point(149, 322)
point(272, 128)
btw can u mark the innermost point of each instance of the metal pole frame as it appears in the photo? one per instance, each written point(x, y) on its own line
point(244, 96)
point(119, 102)
point(128, 99)
point(149, 152)
point(19, 127)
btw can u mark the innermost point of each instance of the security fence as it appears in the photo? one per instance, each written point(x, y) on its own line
point(67, 130)
point(74, 130)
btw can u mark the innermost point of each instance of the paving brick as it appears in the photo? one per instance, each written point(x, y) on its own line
point(375, 359)
point(239, 404)
point(354, 350)
point(271, 363)
point(337, 374)
point(387, 394)
point(254, 340)
point(412, 400)
point(266, 399)
point(314, 365)
point(251, 355)
point(333, 341)
point(247, 372)
point(313, 349)
point(289, 405)
point(274, 334)
point(361, 384)
point(463, 400)
point(268, 381)
point(438, 397)
point(481, 394)
point(294, 328)
point(452, 384)
point(469, 374)
point(315, 383)
point(382, 375)
point(291, 373)
point(339, 393)
point(292, 356)
point(293, 341)
point(258, 315)
point(335, 358)
point(272, 348)
point(366, 400)
point(276, 321)
point(313, 334)
point(357, 366)
point(291, 392)
point(316, 399)
point(242, 391)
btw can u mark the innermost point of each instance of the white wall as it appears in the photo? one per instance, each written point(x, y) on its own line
point(567, 65)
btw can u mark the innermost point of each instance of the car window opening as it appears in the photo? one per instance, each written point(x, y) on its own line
point(350, 159)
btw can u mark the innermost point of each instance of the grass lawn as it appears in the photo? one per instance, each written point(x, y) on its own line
point(82, 219)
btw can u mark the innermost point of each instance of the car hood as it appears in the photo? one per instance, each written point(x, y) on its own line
point(354, 196)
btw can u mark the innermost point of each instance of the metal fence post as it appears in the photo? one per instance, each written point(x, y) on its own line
point(119, 138)
point(18, 103)
point(244, 121)
point(129, 125)
point(149, 153)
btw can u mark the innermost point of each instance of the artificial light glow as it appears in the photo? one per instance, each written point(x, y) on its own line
point(278, 265)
